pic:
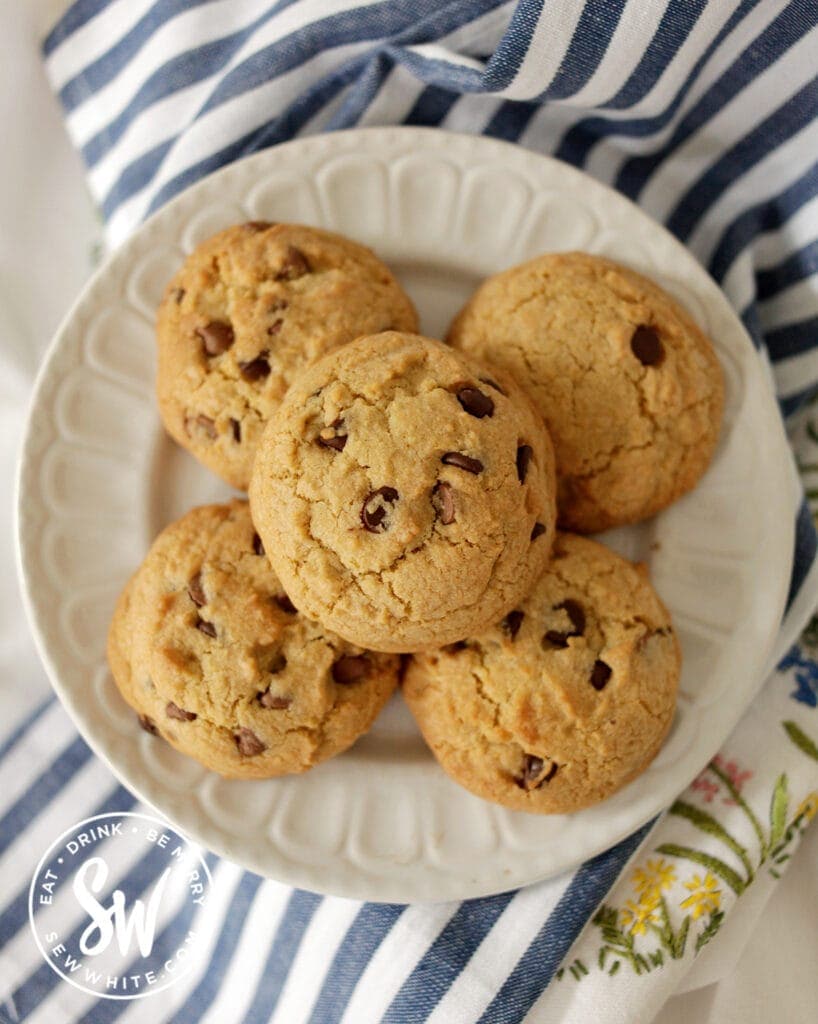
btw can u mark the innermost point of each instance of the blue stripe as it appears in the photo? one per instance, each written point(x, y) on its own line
point(289, 935)
point(99, 73)
point(135, 177)
point(510, 54)
point(768, 135)
point(805, 550)
point(676, 24)
point(77, 15)
point(15, 914)
point(445, 959)
point(20, 730)
point(794, 402)
point(792, 339)
point(781, 34)
point(588, 45)
point(180, 72)
point(581, 137)
point(372, 924)
point(42, 981)
point(510, 120)
point(797, 266)
point(769, 215)
point(48, 784)
point(431, 106)
point(201, 998)
point(536, 967)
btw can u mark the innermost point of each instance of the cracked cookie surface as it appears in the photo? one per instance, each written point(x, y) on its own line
point(564, 700)
point(404, 493)
point(249, 308)
point(629, 386)
point(215, 658)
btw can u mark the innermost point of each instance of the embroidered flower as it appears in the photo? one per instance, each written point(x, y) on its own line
point(637, 916)
point(705, 896)
point(735, 774)
point(653, 878)
point(806, 675)
point(709, 787)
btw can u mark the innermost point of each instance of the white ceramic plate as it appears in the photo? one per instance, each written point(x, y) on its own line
point(99, 479)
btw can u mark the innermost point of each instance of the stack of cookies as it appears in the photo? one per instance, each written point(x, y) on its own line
point(404, 497)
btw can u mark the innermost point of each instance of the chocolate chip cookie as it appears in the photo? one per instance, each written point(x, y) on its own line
point(216, 659)
point(248, 310)
point(404, 493)
point(630, 388)
point(563, 700)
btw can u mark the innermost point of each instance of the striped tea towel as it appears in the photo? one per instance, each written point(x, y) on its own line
point(703, 113)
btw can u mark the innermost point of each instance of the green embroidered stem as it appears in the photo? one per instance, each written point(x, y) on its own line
point(681, 939)
point(778, 811)
point(714, 864)
point(734, 793)
point(707, 823)
point(801, 740)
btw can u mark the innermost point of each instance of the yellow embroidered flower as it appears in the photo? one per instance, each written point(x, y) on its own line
point(637, 916)
point(808, 806)
point(705, 896)
point(655, 877)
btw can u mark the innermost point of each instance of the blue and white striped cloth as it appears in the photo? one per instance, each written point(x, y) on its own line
point(702, 112)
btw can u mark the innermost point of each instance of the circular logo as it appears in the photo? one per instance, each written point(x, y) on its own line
point(114, 902)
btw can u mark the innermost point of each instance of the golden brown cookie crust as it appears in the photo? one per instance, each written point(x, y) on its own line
point(208, 649)
point(249, 308)
point(404, 493)
point(564, 701)
point(629, 386)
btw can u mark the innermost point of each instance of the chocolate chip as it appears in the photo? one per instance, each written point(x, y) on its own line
point(350, 668)
point(275, 327)
point(532, 776)
point(295, 265)
point(205, 627)
point(576, 614)
point(554, 638)
point(195, 590)
point(600, 674)
point(456, 647)
point(248, 743)
point(269, 700)
point(204, 423)
point(524, 453)
point(257, 225)
point(512, 622)
point(475, 402)
point(278, 663)
point(148, 725)
point(285, 604)
point(217, 337)
point(443, 502)
point(492, 384)
point(174, 711)
point(178, 295)
point(256, 369)
point(373, 510)
point(537, 531)
point(331, 438)
point(235, 426)
point(462, 462)
point(647, 346)
point(258, 547)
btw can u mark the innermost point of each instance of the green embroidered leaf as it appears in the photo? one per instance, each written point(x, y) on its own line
point(656, 958)
point(560, 973)
point(713, 926)
point(681, 940)
point(614, 968)
point(801, 740)
point(778, 810)
point(714, 864)
point(707, 823)
point(812, 431)
point(603, 952)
